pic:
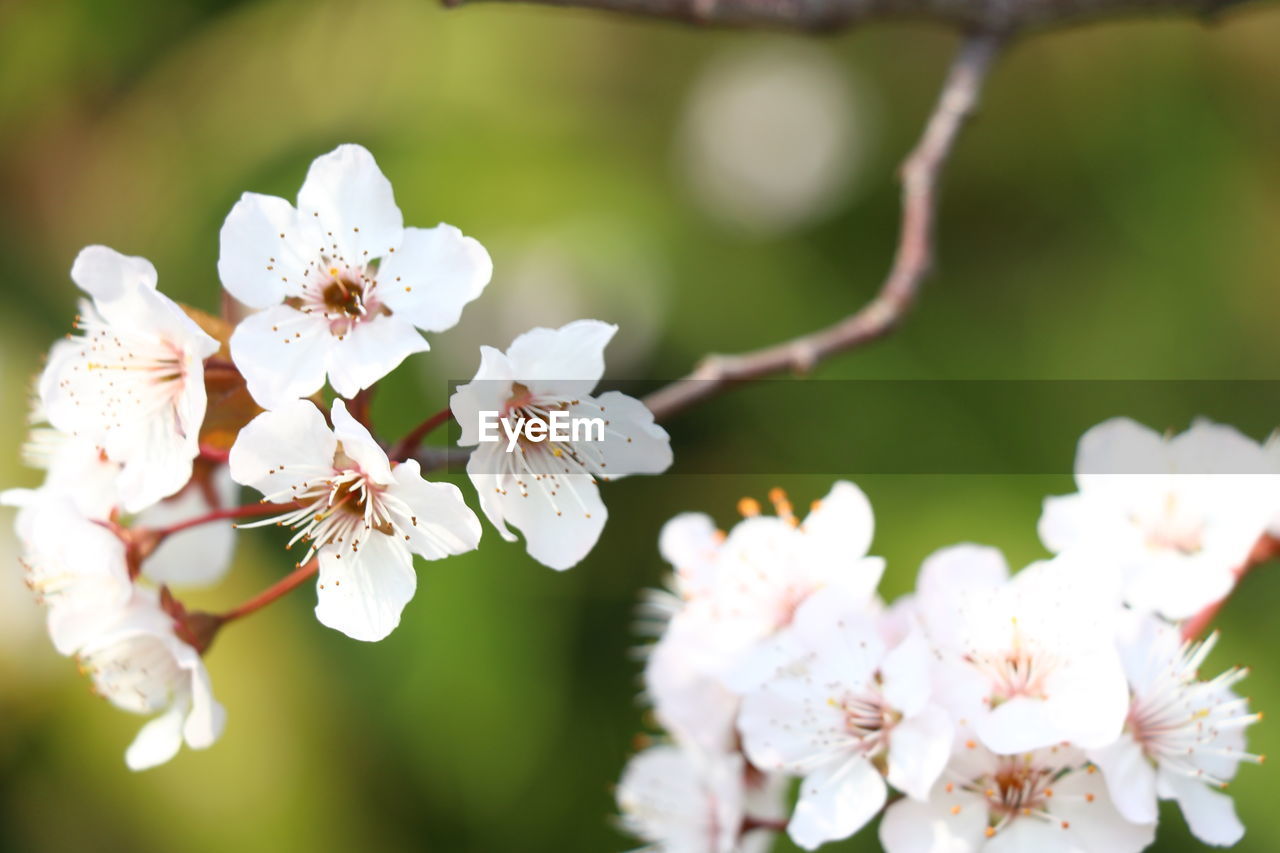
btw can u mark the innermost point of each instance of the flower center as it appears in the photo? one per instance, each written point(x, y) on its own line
point(1019, 787)
point(1018, 671)
point(1173, 528)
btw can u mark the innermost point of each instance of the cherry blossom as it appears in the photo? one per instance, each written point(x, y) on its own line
point(80, 472)
point(1048, 800)
point(844, 711)
point(138, 664)
point(343, 286)
point(1029, 660)
point(75, 566)
point(1176, 516)
point(751, 585)
point(132, 384)
point(548, 488)
point(360, 517)
point(683, 801)
point(1184, 738)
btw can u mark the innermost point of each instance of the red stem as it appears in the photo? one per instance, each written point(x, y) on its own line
point(1267, 547)
point(410, 442)
point(247, 511)
point(279, 589)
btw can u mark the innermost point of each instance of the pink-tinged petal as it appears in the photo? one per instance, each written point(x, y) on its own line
point(567, 361)
point(352, 203)
point(360, 445)
point(282, 354)
point(363, 593)
point(633, 443)
point(105, 274)
point(835, 802)
point(157, 462)
point(369, 352)
point(433, 274)
point(954, 825)
point(277, 452)
point(445, 525)
point(1210, 814)
point(157, 742)
point(266, 250)
point(1130, 778)
point(919, 747)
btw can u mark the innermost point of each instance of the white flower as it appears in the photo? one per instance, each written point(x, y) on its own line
point(75, 566)
point(343, 284)
point(141, 666)
point(1030, 660)
point(1177, 516)
point(364, 520)
point(548, 489)
point(133, 383)
point(765, 569)
point(79, 471)
point(682, 801)
point(843, 711)
point(1048, 801)
point(1184, 738)
point(689, 701)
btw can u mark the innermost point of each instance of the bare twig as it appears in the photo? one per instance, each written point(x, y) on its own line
point(986, 15)
point(920, 174)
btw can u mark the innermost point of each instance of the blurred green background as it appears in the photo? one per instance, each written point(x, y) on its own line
point(1114, 213)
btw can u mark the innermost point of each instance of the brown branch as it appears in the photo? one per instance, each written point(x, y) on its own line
point(985, 15)
point(920, 175)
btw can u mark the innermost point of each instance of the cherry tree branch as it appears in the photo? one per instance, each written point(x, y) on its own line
point(912, 262)
point(825, 15)
point(276, 591)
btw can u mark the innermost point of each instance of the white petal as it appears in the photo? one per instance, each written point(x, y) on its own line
point(1210, 814)
point(907, 672)
point(487, 392)
point(1119, 446)
point(843, 519)
point(265, 250)
point(566, 361)
point(369, 352)
point(560, 529)
point(1035, 836)
point(362, 594)
point(910, 826)
point(280, 450)
point(106, 274)
point(157, 742)
point(350, 198)
point(432, 275)
point(1080, 801)
point(359, 444)
point(919, 747)
point(282, 354)
point(198, 556)
point(633, 443)
point(445, 524)
point(1019, 725)
point(207, 718)
point(1130, 779)
point(835, 802)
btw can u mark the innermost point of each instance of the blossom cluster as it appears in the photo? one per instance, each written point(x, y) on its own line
point(1048, 709)
point(151, 417)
